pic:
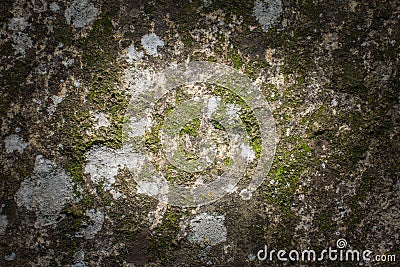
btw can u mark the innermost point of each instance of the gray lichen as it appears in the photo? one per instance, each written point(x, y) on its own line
point(267, 12)
point(81, 13)
point(150, 43)
point(46, 192)
point(3, 223)
point(93, 225)
point(103, 164)
point(207, 229)
point(21, 38)
point(14, 142)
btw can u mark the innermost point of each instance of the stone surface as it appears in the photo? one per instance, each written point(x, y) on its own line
point(76, 188)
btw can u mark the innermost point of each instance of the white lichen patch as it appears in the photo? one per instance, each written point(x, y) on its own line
point(232, 112)
point(155, 217)
point(212, 105)
point(150, 43)
point(93, 225)
point(267, 12)
point(132, 54)
point(77, 83)
point(138, 128)
point(150, 188)
point(53, 107)
point(3, 223)
point(68, 62)
point(79, 259)
point(81, 13)
point(245, 194)
point(14, 142)
point(21, 39)
point(18, 24)
point(247, 152)
point(46, 191)
point(100, 120)
point(10, 257)
point(103, 163)
point(136, 80)
point(54, 7)
point(206, 229)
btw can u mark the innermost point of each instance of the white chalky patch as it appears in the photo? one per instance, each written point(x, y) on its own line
point(68, 63)
point(251, 257)
point(138, 128)
point(101, 120)
point(77, 83)
point(212, 105)
point(152, 188)
point(132, 54)
point(18, 24)
point(137, 81)
point(46, 191)
point(232, 112)
point(245, 194)
point(53, 107)
point(3, 223)
point(21, 40)
point(54, 7)
point(149, 188)
point(79, 259)
point(247, 152)
point(94, 225)
point(10, 257)
point(14, 142)
point(81, 13)
point(103, 163)
point(206, 229)
point(230, 188)
point(267, 12)
point(150, 43)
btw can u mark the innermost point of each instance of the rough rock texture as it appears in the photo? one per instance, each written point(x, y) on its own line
point(69, 190)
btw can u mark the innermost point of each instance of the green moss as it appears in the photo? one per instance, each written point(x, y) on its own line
point(287, 168)
point(367, 184)
point(75, 215)
point(246, 115)
point(284, 232)
point(87, 201)
point(102, 96)
point(164, 237)
point(63, 33)
point(191, 128)
point(187, 39)
point(104, 24)
point(236, 60)
point(228, 161)
point(325, 223)
point(151, 138)
point(217, 125)
point(255, 67)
